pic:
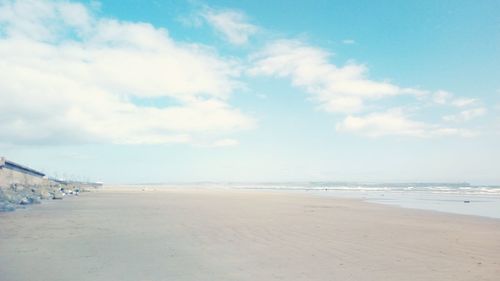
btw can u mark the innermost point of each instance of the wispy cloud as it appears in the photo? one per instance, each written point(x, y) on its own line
point(340, 89)
point(446, 98)
point(395, 123)
point(348, 41)
point(464, 102)
point(225, 142)
point(233, 25)
point(347, 89)
point(466, 115)
point(441, 97)
point(69, 76)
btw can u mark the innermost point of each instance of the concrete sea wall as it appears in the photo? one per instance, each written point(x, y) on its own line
point(9, 177)
point(20, 185)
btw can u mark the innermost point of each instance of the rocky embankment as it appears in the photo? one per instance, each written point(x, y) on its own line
point(16, 195)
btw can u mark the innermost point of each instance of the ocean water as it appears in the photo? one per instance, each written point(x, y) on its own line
point(459, 198)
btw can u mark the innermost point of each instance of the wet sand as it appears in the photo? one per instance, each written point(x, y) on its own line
point(194, 234)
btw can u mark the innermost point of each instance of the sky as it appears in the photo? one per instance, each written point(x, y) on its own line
point(135, 91)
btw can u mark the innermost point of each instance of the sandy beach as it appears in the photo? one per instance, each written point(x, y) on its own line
point(194, 234)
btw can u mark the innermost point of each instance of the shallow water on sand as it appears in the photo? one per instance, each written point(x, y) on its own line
point(451, 198)
point(458, 198)
point(466, 204)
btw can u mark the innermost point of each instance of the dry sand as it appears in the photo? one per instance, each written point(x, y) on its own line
point(241, 235)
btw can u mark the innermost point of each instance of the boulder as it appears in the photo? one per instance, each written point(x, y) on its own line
point(6, 207)
point(58, 195)
point(45, 194)
point(25, 201)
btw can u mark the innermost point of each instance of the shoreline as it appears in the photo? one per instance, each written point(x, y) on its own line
point(395, 198)
point(209, 234)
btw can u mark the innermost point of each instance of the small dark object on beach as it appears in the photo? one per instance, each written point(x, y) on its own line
point(466, 201)
point(25, 201)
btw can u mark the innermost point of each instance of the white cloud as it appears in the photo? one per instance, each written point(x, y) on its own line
point(348, 41)
point(347, 89)
point(43, 20)
point(463, 102)
point(232, 24)
point(446, 98)
point(466, 115)
point(341, 89)
point(69, 76)
point(225, 142)
point(395, 123)
point(441, 97)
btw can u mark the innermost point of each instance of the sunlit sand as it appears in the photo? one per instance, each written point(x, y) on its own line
point(195, 234)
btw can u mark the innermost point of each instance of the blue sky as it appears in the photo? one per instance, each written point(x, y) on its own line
point(168, 91)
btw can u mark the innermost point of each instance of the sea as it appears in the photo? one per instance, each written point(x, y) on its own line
point(458, 198)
